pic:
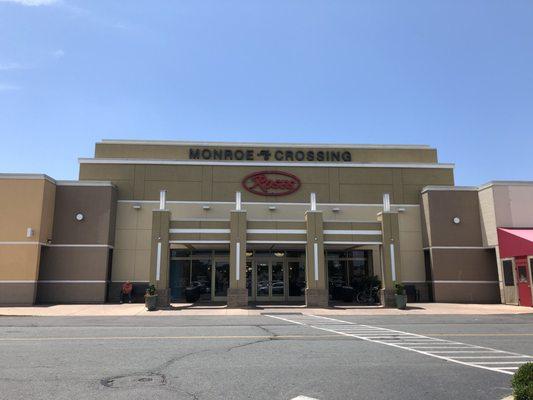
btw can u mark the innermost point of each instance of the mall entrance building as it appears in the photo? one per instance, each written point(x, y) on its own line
point(252, 223)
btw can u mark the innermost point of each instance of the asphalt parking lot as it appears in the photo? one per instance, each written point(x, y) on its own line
point(279, 356)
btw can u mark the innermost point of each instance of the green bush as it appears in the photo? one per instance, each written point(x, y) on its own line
point(399, 288)
point(151, 291)
point(523, 382)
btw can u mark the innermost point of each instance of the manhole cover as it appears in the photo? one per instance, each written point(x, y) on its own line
point(134, 380)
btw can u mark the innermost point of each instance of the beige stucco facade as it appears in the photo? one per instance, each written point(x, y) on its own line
point(248, 222)
point(26, 212)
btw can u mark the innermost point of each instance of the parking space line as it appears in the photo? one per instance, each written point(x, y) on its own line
point(434, 347)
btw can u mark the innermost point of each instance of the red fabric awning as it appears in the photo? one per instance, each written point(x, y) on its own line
point(515, 242)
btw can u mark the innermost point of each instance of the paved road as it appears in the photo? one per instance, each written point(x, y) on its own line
point(254, 357)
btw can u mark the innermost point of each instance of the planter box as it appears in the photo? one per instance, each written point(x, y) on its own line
point(150, 302)
point(401, 301)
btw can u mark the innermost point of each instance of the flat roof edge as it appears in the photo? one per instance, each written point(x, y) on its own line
point(85, 183)
point(27, 176)
point(270, 144)
point(449, 188)
point(128, 161)
point(505, 183)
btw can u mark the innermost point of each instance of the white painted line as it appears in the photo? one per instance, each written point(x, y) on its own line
point(499, 362)
point(490, 357)
point(318, 322)
point(465, 351)
point(303, 398)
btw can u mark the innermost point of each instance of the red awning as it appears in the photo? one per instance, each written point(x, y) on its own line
point(515, 242)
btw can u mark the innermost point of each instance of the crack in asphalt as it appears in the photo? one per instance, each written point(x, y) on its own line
point(158, 370)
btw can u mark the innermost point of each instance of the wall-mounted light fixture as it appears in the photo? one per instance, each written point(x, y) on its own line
point(79, 216)
point(29, 232)
point(279, 253)
point(137, 206)
point(456, 220)
point(401, 210)
point(272, 208)
point(206, 207)
point(336, 209)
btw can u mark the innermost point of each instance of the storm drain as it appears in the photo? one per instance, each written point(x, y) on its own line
point(134, 381)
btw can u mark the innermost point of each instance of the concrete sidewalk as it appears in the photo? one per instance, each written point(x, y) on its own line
point(180, 309)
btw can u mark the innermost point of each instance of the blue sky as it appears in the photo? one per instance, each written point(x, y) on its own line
point(456, 74)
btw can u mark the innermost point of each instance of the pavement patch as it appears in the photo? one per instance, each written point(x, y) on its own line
point(134, 381)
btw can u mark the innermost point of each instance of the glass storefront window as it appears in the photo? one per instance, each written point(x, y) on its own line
point(249, 277)
point(221, 278)
point(174, 253)
point(353, 268)
point(201, 277)
point(179, 278)
point(278, 281)
point(296, 278)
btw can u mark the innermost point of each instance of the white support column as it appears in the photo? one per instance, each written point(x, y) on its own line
point(237, 260)
point(163, 199)
point(238, 203)
point(315, 259)
point(158, 263)
point(313, 201)
point(392, 263)
point(386, 202)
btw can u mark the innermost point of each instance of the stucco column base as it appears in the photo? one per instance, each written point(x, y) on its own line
point(386, 297)
point(316, 297)
point(163, 298)
point(237, 297)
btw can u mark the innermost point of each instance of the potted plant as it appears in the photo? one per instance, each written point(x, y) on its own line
point(400, 296)
point(150, 298)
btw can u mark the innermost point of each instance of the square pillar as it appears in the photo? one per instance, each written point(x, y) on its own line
point(160, 256)
point(316, 291)
point(237, 291)
point(390, 253)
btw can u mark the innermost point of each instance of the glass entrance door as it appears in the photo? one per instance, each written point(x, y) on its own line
point(269, 280)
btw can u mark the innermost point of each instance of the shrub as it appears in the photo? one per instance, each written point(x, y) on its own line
point(399, 288)
point(523, 382)
point(151, 290)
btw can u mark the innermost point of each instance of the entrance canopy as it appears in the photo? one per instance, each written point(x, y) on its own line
point(515, 242)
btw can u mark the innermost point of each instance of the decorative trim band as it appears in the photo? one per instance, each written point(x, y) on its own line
point(19, 242)
point(276, 241)
point(457, 281)
point(70, 281)
point(267, 144)
point(198, 230)
point(458, 248)
point(277, 231)
point(270, 203)
point(351, 243)
point(199, 241)
point(77, 245)
point(129, 161)
point(351, 232)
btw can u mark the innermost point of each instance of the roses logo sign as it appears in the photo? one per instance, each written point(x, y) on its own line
point(271, 183)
